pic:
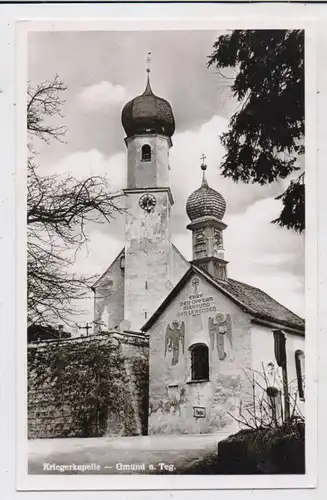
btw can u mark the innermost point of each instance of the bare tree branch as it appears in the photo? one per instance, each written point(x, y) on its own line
point(261, 410)
point(59, 211)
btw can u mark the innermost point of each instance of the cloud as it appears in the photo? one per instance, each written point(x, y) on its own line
point(101, 96)
point(260, 253)
point(265, 255)
point(186, 175)
point(83, 164)
point(98, 254)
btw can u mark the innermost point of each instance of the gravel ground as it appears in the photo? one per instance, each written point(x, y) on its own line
point(120, 455)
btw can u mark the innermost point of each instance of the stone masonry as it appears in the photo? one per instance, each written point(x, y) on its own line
point(89, 386)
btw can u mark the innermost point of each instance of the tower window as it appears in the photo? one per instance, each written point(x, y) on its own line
point(146, 152)
point(299, 366)
point(199, 362)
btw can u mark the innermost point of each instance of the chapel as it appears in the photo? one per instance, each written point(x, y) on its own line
point(208, 333)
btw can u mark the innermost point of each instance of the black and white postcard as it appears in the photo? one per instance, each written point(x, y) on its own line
point(166, 266)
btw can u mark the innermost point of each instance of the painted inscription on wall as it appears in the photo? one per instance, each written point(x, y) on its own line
point(196, 304)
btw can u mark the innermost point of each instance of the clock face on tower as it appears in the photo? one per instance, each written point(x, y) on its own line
point(147, 202)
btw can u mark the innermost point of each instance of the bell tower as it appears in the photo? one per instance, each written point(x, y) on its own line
point(149, 124)
point(206, 208)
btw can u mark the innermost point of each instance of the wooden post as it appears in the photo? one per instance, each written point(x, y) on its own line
point(286, 394)
point(60, 331)
point(281, 358)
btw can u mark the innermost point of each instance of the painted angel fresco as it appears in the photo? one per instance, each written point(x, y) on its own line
point(175, 333)
point(219, 326)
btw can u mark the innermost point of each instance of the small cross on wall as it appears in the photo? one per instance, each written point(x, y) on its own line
point(87, 327)
point(195, 284)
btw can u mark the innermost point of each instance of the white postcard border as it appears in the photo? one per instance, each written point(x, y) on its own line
point(155, 482)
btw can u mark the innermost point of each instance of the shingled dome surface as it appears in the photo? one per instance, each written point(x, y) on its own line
point(204, 202)
point(148, 113)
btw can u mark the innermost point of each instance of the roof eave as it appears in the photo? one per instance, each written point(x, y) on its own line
point(284, 325)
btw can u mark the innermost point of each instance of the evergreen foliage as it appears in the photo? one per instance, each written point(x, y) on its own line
point(265, 136)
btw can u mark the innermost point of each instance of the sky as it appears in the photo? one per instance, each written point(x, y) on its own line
point(103, 71)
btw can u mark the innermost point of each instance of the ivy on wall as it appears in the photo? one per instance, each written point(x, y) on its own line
point(85, 389)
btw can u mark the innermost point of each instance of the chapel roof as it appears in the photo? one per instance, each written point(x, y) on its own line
point(250, 299)
point(264, 306)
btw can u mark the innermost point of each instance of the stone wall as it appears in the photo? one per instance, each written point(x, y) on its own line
point(173, 394)
point(90, 386)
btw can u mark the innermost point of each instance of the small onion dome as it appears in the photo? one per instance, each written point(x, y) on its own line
point(148, 113)
point(205, 202)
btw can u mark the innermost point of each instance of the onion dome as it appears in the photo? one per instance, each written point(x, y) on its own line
point(148, 113)
point(205, 201)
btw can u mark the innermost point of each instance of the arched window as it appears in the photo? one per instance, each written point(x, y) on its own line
point(146, 152)
point(199, 362)
point(299, 366)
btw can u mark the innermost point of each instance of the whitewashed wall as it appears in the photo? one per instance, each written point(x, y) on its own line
point(262, 341)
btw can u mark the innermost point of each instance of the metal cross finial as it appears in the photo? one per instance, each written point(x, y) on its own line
point(148, 60)
point(203, 165)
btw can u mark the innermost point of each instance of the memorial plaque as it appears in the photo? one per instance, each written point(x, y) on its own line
point(199, 412)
